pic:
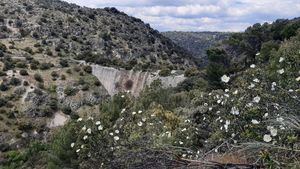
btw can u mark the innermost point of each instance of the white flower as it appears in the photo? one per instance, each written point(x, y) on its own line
point(183, 129)
point(140, 123)
point(257, 54)
point(225, 78)
point(272, 130)
point(144, 119)
point(116, 138)
point(279, 119)
point(256, 99)
point(235, 111)
point(253, 121)
point(281, 59)
point(210, 109)
point(140, 111)
point(180, 142)
point(83, 128)
point(123, 110)
point(100, 127)
point(226, 125)
point(267, 138)
point(72, 145)
point(122, 96)
point(98, 123)
point(111, 134)
point(252, 66)
point(85, 137)
point(89, 131)
point(219, 101)
point(91, 118)
point(235, 92)
point(251, 86)
point(266, 115)
point(117, 131)
point(82, 146)
point(77, 151)
point(256, 80)
point(226, 90)
point(281, 71)
point(298, 79)
point(133, 113)
point(79, 119)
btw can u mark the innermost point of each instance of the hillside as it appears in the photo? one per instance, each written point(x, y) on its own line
point(103, 36)
point(197, 42)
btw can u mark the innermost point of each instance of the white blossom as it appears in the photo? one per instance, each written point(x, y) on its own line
point(266, 115)
point(85, 137)
point(180, 142)
point(253, 121)
point(140, 111)
point(184, 129)
point(123, 110)
point(83, 128)
point(279, 119)
point(235, 92)
point(235, 111)
point(82, 146)
point(256, 99)
point(89, 130)
point(100, 127)
point(281, 59)
point(111, 134)
point(225, 78)
point(90, 118)
point(272, 130)
point(251, 86)
point(117, 131)
point(116, 138)
point(77, 151)
point(226, 125)
point(133, 113)
point(298, 79)
point(122, 96)
point(281, 71)
point(140, 123)
point(226, 90)
point(79, 119)
point(98, 123)
point(267, 138)
point(257, 54)
point(72, 145)
point(252, 66)
point(144, 119)
point(256, 80)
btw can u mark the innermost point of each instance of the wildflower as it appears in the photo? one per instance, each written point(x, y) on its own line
point(281, 59)
point(272, 130)
point(89, 131)
point(79, 119)
point(180, 142)
point(226, 90)
point(151, 124)
point(133, 113)
point(116, 138)
point(123, 110)
point(279, 119)
point(266, 115)
point(251, 86)
point(122, 96)
point(183, 130)
point(111, 134)
point(256, 80)
point(100, 127)
point(83, 128)
point(281, 71)
point(235, 92)
point(257, 54)
point(98, 123)
point(256, 99)
point(91, 118)
point(273, 86)
point(253, 121)
point(77, 151)
point(210, 109)
point(140, 123)
point(144, 119)
point(140, 111)
point(226, 125)
point(219, 101)
point(225, 78)
point(267, 138)
point(117, 131)
point(82, 146)
point(85, 137)
point(234, 111)
point(298, 79)
point(72, 145)
point(252, 66)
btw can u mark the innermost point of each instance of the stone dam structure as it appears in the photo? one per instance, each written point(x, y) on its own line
point(120, 80)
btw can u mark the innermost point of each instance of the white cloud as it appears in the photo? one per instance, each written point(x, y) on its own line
point(202, 15)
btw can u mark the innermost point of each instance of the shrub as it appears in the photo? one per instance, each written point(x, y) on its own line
point(165, 72)
point(88, 69)
point(38, 78)
point(70, 91)
point(64, 63)
point(23, 72)
point(15, 81)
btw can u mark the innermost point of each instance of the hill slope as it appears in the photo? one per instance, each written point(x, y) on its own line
point(103, 36)
point(197, 42)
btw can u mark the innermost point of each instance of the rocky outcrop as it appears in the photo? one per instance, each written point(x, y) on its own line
point(120, 80)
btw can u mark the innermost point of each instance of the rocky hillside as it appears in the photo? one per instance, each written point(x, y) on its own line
point(103, 36)
point(197, 42)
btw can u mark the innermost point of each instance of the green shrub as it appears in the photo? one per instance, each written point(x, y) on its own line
point(38, 78)
point(165, 72)
point(23, 72)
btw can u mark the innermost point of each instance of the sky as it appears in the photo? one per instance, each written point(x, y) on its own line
point(201, 15)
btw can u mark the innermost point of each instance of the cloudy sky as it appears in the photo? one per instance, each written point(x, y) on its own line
point(201, 15)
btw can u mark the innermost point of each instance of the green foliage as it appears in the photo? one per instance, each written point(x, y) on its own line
point(70, 91)
point(165, 72)
point(38, 77)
